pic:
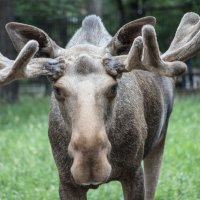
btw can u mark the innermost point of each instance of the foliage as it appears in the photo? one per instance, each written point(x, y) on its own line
point(51, 8)
point(27, 169)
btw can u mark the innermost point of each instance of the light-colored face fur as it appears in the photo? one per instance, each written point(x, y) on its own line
point(85, 95)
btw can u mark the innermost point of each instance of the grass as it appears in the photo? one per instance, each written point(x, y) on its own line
point(28, 172)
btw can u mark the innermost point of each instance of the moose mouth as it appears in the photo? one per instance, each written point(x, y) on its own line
point(91, 184)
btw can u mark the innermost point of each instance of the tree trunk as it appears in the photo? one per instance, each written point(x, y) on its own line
point(7, 93)
point(137, 9)
point(94, 7)
point(121, 12)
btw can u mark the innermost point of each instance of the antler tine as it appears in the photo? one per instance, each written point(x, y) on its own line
point(134, 58)
point(24, 57)
point(152, 59)
point(15, 69)
point(186, 42)
point(151, 52)
point(25, 66)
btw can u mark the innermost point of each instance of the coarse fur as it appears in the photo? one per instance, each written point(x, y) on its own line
point(111, 100)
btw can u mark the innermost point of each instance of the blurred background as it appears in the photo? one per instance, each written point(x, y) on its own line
point(27, 169)
point(61, 18)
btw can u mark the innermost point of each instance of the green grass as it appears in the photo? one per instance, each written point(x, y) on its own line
point(180, 174)
point(28, 172)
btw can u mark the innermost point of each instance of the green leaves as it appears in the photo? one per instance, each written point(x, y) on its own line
point(47, 9)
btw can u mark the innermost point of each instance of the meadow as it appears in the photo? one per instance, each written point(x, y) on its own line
point(28, 172)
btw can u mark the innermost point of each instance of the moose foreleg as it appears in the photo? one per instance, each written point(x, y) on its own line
point(70, 192)
point(152, 164)
point(133, 185)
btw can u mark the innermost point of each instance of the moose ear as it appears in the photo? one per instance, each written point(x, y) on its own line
point(123, 39)
point(20, 34)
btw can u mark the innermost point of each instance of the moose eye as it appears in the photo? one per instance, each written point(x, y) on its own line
point(112, 91)
point(58, 93)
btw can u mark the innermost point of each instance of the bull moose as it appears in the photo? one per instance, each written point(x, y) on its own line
point(111, 100)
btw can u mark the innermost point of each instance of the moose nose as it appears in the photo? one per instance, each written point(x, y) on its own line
point(87, 170)
point(90, 173)
point(90, 154)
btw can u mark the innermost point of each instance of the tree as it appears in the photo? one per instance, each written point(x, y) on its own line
point(94, 7)
point(8, 93)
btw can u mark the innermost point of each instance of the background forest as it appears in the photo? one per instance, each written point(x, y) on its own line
point(61, 18)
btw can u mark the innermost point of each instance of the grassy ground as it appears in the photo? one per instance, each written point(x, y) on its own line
point(28, 172)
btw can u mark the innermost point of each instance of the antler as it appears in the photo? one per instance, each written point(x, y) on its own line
point(186, 43)
point(25, 66)
point(145, 54)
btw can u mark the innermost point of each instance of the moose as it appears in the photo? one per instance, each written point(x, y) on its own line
point(111, 99)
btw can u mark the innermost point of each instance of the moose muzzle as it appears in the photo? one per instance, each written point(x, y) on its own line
point(90, 158)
